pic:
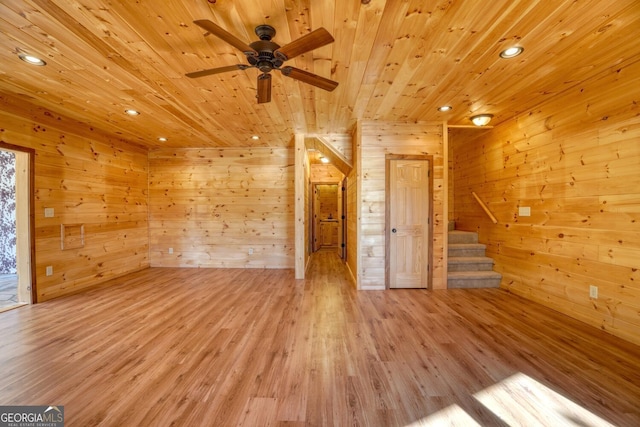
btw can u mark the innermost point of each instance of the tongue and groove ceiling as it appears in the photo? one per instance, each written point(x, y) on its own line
point(394, 61)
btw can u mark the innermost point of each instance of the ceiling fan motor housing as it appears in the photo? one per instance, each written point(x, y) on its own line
point(265, 61)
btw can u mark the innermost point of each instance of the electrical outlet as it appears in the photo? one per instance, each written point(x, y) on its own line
point(593, 292)
point(524, 211)
point(48, 212)
point(250, 251)
point(49, 270)
point(170, 250)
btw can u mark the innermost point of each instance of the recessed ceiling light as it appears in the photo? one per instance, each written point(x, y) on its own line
point(255, 137)
point(162, 139)
point(445, 108)
point(481, 119)
point(131, 112)
point(30, 59)
point(511, 52)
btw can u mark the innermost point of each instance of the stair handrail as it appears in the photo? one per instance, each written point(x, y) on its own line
point(485, 208)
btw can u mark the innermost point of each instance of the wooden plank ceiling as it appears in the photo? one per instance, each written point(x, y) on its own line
point(394, 61)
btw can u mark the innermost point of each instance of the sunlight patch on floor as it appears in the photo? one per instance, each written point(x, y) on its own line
point(521, 400)
point(450, 416)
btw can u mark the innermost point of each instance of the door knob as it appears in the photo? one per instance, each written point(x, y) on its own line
point(393, 230)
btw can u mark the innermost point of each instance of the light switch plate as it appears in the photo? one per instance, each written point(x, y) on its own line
point(48, 212)
point(524, 211)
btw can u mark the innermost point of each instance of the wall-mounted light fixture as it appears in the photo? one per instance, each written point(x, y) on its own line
point(481, 119)
point(132, 112)
point(324, 159)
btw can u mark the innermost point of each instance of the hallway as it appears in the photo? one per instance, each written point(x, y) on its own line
point(190, 347)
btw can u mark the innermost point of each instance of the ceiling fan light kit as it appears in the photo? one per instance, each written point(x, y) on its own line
point(267, 56)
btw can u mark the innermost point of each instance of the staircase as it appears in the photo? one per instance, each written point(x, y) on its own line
point(468, 266)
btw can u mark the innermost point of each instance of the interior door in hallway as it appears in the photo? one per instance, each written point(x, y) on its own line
point(408, 221)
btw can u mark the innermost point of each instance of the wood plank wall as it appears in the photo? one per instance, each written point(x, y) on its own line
point(328, 201)
point(341, 143)
point(325, 174)
point(213, 206)
point(307, 217)
point(451, 183)
point(353, 208)
point(575, 161)
point(87, 178)
point(376, 140)
point(301, 196)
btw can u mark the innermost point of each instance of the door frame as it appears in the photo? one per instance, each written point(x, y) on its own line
point(387, 213)
point(342, 211)
point(31, 199)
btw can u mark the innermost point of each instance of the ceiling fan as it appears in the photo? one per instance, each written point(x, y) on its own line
point(267, 56)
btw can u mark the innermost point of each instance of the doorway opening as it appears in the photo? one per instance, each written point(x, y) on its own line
point(325, 171)
point(327, 217)
point(17, 245)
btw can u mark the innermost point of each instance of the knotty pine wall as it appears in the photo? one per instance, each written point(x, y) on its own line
point(212, 206)
point(352, 210)
point(575, 161)
point(308, 214)
point(325, 174)
point(328, 200)
point(376, 139)
point(342, 143)
point(87, 178)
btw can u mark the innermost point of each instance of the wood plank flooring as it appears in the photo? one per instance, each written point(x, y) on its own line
point(206, 347)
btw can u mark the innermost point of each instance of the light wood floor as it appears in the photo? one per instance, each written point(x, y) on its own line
point(202, 347)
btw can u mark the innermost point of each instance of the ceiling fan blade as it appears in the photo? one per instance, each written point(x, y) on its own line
point(306, 43)
point(310, 78)
point(264, 88)
point(223, 34)
point(219, 70)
